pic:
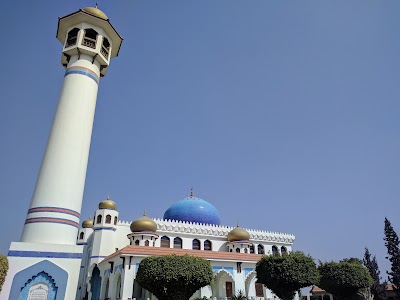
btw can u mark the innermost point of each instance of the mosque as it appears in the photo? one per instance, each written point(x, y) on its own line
point(57, 258)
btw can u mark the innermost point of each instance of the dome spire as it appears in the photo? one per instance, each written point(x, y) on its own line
point(144, 212)
point(191, 192)
point(97, 4)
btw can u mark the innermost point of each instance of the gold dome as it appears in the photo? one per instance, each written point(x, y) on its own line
point(144, 223)
point(94, 11)
point(238, 234)
point(108, 204)
point(87, 223)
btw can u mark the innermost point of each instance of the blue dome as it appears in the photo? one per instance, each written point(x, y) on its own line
point(193, 209)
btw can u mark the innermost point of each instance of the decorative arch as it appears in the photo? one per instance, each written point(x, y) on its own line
point(223, 272)
point(43, 275)
point(283, 250)
point(260, 249)
point(41, 283)
point(250, 278)
point(275, 250)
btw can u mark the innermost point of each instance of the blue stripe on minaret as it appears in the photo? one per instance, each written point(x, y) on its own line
point(82, 71)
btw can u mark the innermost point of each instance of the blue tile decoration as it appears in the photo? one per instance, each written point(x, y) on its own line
point(247, 271)
point(44, 254)
point(193, 209)
point(229, 270)
point(82, 71)
point(216, 269)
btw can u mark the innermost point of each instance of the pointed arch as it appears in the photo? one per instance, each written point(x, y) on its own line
point(95, 283)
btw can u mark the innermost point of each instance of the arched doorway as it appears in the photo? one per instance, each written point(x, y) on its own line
point(95, 283)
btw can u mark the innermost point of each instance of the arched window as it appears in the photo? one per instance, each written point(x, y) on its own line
point(99, 217)
point(196, 244)
point(207, 245)
point(147, 243)
point(137, 243)
point(230, 250)
point(283, 250)
point(115, 220)
point(252, 248)
point(165, 242)
point(108, 219)
point(275, 250)
point(72, 37)
point(238, 250)
point(105, 48)
point(90, 38)
point(260, 249)
point(177, 243)
point(245, 250)
point(81, 235)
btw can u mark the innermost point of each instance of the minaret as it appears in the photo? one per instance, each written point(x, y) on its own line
point(89, 41)
point(46, 263)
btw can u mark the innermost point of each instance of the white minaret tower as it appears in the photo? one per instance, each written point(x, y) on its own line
point(46, 263)
point(89, 42)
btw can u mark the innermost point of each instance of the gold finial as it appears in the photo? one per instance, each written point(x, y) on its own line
point(108, 196)
point(97, 4)
point(144, 212)
point(191, 192)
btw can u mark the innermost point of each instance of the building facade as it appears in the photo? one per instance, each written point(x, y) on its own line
point(113, 250)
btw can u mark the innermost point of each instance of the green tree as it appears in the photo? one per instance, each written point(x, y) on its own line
point(392, 244)
point(174, 277)
point(344, 280)
point(3, 270)
point(286, 274)
point(377, 288)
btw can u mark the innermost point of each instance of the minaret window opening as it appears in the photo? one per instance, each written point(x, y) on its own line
point(147, 243)
point(81, 235)
point(108, 219)
point(260, 249)
point(196, 244)
point(283, 250)
point(165, 242)
point(90, 38)
point(237, 250)
point(137, 243)
point(275, 250)
point(105, 48)
point(177, 243)
point(99, 218)
point(115, 220)
point(72, 37)
point(252, 249)
point(207, 245)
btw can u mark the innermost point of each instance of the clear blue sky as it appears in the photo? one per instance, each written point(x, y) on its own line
point(285, 115)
